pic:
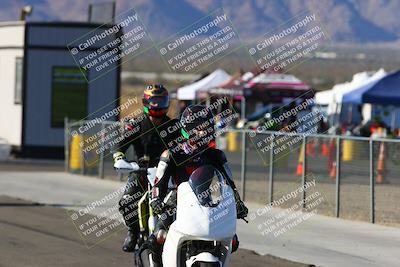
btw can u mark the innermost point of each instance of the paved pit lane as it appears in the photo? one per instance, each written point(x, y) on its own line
point(42, 235)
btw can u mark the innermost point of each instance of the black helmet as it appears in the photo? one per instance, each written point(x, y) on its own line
point(156, 100)
point(198, 128)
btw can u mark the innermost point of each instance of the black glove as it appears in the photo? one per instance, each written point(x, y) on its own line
point(157, 205)
point(143, 161)
point(241, 210)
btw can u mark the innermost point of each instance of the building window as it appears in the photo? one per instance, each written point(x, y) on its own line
point(69, 95)
point(18, 81)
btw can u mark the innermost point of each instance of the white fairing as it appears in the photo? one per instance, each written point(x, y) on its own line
point(210, 223)
point(151, 175)
point(197, 222)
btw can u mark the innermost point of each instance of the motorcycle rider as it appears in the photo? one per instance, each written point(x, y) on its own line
point(148, 147)
point(198, 149)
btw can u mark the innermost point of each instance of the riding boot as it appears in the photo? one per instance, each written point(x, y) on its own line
point(130, 241)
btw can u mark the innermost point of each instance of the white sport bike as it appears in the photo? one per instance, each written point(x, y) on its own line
point(205, 225)
point(203, 233)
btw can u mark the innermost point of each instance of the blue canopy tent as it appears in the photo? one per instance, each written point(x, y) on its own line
point(356, 96)
point(385, 92)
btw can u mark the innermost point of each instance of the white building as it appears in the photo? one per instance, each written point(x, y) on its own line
point(40, 84)
point(11, 57)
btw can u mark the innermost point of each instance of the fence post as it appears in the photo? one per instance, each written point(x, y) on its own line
point(243, 167)
point(101, 160)
point(303, 176)
point(82, 155)
point(372, 179)
point(271, 170)
point(66, 145)
point(337, 198)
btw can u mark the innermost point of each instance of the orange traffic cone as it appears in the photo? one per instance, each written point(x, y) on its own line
point(299, 169)
point(310, 149)
point(331, 149)
point(332, 160)
point(332, 172)
point(381, 164)
point(325, 149)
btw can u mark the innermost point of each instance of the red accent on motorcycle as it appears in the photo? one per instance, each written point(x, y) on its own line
point(190, 169)
point(155, 192)
point(129, 127)
point(235, 243)
point(161, 236)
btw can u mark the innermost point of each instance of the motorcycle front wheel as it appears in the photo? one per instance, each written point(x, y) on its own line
point(208, 264)
point(145, 258)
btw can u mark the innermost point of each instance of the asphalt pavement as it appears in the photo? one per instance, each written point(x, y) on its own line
point(320, 240)
point(33, 234)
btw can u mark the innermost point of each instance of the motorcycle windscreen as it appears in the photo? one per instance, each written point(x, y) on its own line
point(206, 182)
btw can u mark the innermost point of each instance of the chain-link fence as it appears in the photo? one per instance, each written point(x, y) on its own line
point(358, 177)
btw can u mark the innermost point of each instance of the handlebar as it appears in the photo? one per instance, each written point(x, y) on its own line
point(141, 169)
point(123, 166)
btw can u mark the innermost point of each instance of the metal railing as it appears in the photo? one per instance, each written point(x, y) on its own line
point(359, 177)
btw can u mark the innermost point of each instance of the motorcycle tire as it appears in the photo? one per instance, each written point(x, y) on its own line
point(145, 261)
point(208, 264)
